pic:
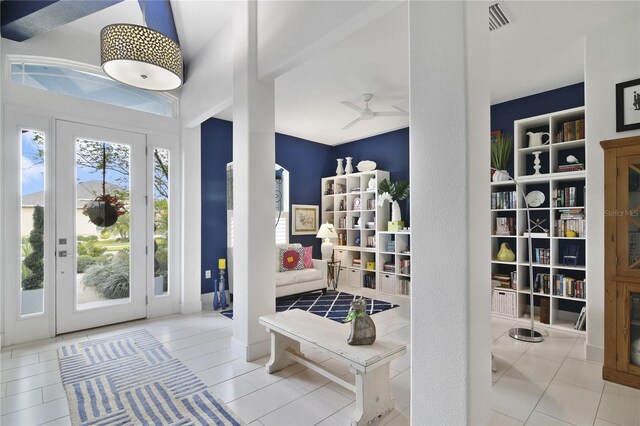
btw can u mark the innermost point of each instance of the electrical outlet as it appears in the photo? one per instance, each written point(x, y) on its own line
point(207, 273)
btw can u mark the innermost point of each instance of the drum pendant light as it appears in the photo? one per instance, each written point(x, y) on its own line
point(141, 57)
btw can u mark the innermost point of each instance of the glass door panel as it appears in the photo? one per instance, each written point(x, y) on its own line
point(102, 223)
point(160, 221)
point(633, 215)
point(634, 322)
point(627, 215)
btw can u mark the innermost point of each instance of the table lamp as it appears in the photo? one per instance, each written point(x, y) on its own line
point(327, 232)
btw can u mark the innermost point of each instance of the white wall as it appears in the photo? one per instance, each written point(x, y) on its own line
point(611, 56)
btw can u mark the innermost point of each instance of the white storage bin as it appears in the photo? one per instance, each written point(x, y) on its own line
point(343, 279)
point(340, 255)
point(388, 283)
point(354, 277)
point(504, 303)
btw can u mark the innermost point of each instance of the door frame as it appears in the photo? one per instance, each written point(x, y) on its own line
point(160, 131)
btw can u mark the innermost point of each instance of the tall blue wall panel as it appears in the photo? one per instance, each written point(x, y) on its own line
point(504, 114)
point(217, 151)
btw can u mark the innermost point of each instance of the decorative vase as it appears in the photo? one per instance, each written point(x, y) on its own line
point(348, 168)
point(536, 162)
point(395, 212)
point(505, 254)
point(500, 176)
point(340, 169)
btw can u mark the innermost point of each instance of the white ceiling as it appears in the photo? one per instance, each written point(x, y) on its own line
point(542, 49)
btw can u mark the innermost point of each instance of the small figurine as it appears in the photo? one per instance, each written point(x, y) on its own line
point(363, 329)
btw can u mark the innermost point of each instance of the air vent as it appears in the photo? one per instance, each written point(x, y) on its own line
point(498, 16)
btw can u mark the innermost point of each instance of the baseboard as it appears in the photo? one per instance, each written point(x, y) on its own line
point(594, 353)
point(190, 308)
point(250, 352)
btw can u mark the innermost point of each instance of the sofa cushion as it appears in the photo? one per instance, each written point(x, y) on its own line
point(291, 259)
point(285, 278)
point(284, 246)
point(298, 276)
point(307, 257)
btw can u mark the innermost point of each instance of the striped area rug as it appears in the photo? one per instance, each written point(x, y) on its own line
point(334, 305)
point(132, 379)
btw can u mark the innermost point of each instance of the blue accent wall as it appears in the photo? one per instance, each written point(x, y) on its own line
point(217, 150)
point(307, 163)
point(390, 151)
point(504, 114)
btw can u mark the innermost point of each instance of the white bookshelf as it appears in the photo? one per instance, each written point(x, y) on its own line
point(563, 305)
point(352, 207)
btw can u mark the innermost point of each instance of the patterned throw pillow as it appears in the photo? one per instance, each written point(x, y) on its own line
point(291, 259)
point(307, 257)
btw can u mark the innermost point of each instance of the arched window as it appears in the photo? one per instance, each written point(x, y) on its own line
point(281, 218)
point(87, 82)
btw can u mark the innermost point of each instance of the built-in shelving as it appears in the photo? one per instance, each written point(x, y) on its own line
point(561, 211)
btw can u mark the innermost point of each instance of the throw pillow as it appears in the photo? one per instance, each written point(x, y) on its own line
point(291, 259)
point(307, 257)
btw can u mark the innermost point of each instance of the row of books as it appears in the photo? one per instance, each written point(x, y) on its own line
point(570, 131)
point(369, 280)
point(371, 241)
point(560, 285)
point(543, 256)
point(578, 226)
point(389, 267)
point(573, 167)
point(505, 226)
point(505, 280)
point(581, 322)
point(503, 200)
point(404, 286)
point(356, 263)
point(564, 197)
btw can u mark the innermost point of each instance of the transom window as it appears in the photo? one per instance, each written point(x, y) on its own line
point(91, 86)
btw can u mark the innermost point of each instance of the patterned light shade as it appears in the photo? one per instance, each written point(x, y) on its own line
point(141, 57)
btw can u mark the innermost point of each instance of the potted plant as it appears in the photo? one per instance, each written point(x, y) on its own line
point(500, 155)
point(104, 210)
point(393, 192)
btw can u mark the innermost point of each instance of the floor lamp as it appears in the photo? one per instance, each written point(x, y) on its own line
point(521, 333)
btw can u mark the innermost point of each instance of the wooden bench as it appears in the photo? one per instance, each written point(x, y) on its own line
point(369, 363)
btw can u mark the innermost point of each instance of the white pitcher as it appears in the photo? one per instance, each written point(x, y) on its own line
point(535, 139)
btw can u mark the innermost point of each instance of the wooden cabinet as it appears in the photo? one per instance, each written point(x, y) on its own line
point(622, 261)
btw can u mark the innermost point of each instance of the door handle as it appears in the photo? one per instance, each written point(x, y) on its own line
point(62, 253)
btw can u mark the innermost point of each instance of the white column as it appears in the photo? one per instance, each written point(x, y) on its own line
point(191, 216)
point(445, 379)
point(253, 190)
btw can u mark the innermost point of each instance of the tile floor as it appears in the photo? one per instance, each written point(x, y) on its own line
point(536, 384)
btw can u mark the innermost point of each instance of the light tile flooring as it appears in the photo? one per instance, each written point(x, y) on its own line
point(548, 383)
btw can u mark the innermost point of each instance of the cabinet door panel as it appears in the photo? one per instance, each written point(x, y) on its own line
point(629, 328)
point(628, 215)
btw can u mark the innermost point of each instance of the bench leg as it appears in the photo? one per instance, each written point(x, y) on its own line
point(373, 395)
point(279, 346)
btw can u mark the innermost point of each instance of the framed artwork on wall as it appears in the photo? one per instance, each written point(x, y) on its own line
point(628, 105)
point(304, 219)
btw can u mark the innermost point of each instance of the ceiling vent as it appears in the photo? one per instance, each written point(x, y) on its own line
point(499, 16)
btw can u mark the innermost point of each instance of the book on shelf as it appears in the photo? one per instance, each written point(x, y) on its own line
point(571, 130)
point(405, 266)
point(542, 283)
point(503, 200)
point(505, 226)
point(574, 167)
point(502, 280)
point(564, 197)
point(582, 318)
point(535, 234)
point(543, 256)
point(389, 267)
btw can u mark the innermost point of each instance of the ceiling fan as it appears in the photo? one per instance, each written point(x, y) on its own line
point(367, 114)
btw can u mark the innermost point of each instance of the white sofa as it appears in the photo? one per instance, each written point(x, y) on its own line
point(300, 281)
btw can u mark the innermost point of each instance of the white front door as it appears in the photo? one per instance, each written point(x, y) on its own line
point(101, 226)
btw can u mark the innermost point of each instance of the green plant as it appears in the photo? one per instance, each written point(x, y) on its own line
point(90, 248)
point(84, 262)
point(35, 260)
point(501, 151)
point(111, 279)
point(398, 190)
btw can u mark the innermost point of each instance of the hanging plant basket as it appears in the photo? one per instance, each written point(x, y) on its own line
point(104, 210)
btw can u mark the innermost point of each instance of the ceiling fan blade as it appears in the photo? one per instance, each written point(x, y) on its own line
point(400, 109)
point(351, 124)
point(390, 114)
point(352, 106)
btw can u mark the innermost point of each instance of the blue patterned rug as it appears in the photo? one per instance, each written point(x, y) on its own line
point(132, 379)
point(334, 305)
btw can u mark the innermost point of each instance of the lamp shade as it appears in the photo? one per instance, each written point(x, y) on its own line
point(327, 231)
point(141, 57)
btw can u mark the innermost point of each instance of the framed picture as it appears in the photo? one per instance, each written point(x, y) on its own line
point(304, 219)
point(628, 105)
point(496, 135)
